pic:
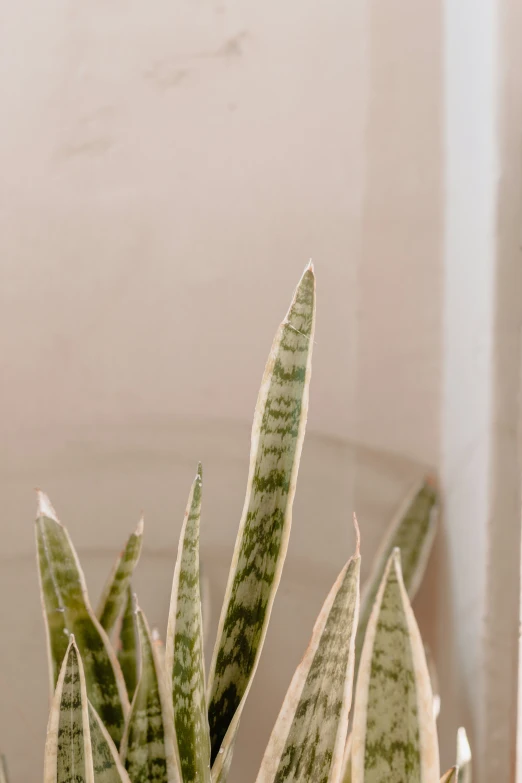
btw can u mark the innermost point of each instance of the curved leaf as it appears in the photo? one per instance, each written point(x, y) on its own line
point(394, 733)
point(127, 649)
point(308, 740)
point(114, 596)
point(412, 531)
point(147, 748)
point(262, 541)
point(67, 610)
point(4, 777)
point(78, 747)
point(184, 650)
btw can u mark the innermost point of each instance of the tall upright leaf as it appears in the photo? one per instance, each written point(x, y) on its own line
point(147, 748)
point(78, 747)
point(308, 740)
point(464, 757)
point(67, 610)
point(184, 650)
point(412, 531)
point(127, 647)
point(261, 545)
point(114, 596)
point(394, 733)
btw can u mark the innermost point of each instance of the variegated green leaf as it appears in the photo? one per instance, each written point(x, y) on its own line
point(78, 747)
point(115, 592)
point(464, 757)
point(277, 438)
point(147, 748)
point(308, 740)
point(394, 734)
point(4, 777)
point(412, 531)
point(184, 650)
point(451, 776)
point(67, 610)
point(127, 648)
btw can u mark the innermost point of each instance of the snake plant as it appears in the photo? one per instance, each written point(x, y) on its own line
point(125, 710)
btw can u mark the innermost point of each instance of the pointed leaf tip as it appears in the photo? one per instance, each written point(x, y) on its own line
point(357, 536)
point(141, 524)
point(199, 474)
point(45, 507)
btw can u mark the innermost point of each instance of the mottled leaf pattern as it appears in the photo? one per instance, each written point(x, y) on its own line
point(277, 437)
point(184, 650)
point(308, 740)
point(116, 590)
point(412, 531)
point(394, 735)
point(127, 649)
point(450, 776)
point(67, 610)
point(147, 745)
point(78, 748)
point(464, 757)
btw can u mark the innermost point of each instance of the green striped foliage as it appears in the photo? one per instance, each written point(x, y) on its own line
point(412, 531)
point(117, 588)
point(308, 740)
point(184, 650)
point(277, 438)
point(67, 610)
point(127, 648)
point(394, 733)
point(147, 748)
point(78, 747)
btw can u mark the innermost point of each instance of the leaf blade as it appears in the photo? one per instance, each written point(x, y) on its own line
point(67, 610)
point(451, 776)
point(68, 749)
point(412, 531)
point(147, 748)
point(113, 598)
point(394, 734)
point(308, 740)
point(464, 757)
point(277, 437)
point(127, 652)
point(184, 650)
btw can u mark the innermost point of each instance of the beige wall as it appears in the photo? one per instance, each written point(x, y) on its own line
point(166, 174)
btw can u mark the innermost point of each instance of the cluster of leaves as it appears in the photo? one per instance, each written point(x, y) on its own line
point(136, 712)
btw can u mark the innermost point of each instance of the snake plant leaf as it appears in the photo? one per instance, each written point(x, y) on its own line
point(464, 757)
point(147, 747)
point(184, 650)
point(394, 731)
point(412, 531)
point(78, 747)
point(4, 777)
point(434, 679)
point(451, 776)
point(308, 740)
point(115, 593)
point(346, 776)
point(264, 529)
point(67, 610)
point(127, 648)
